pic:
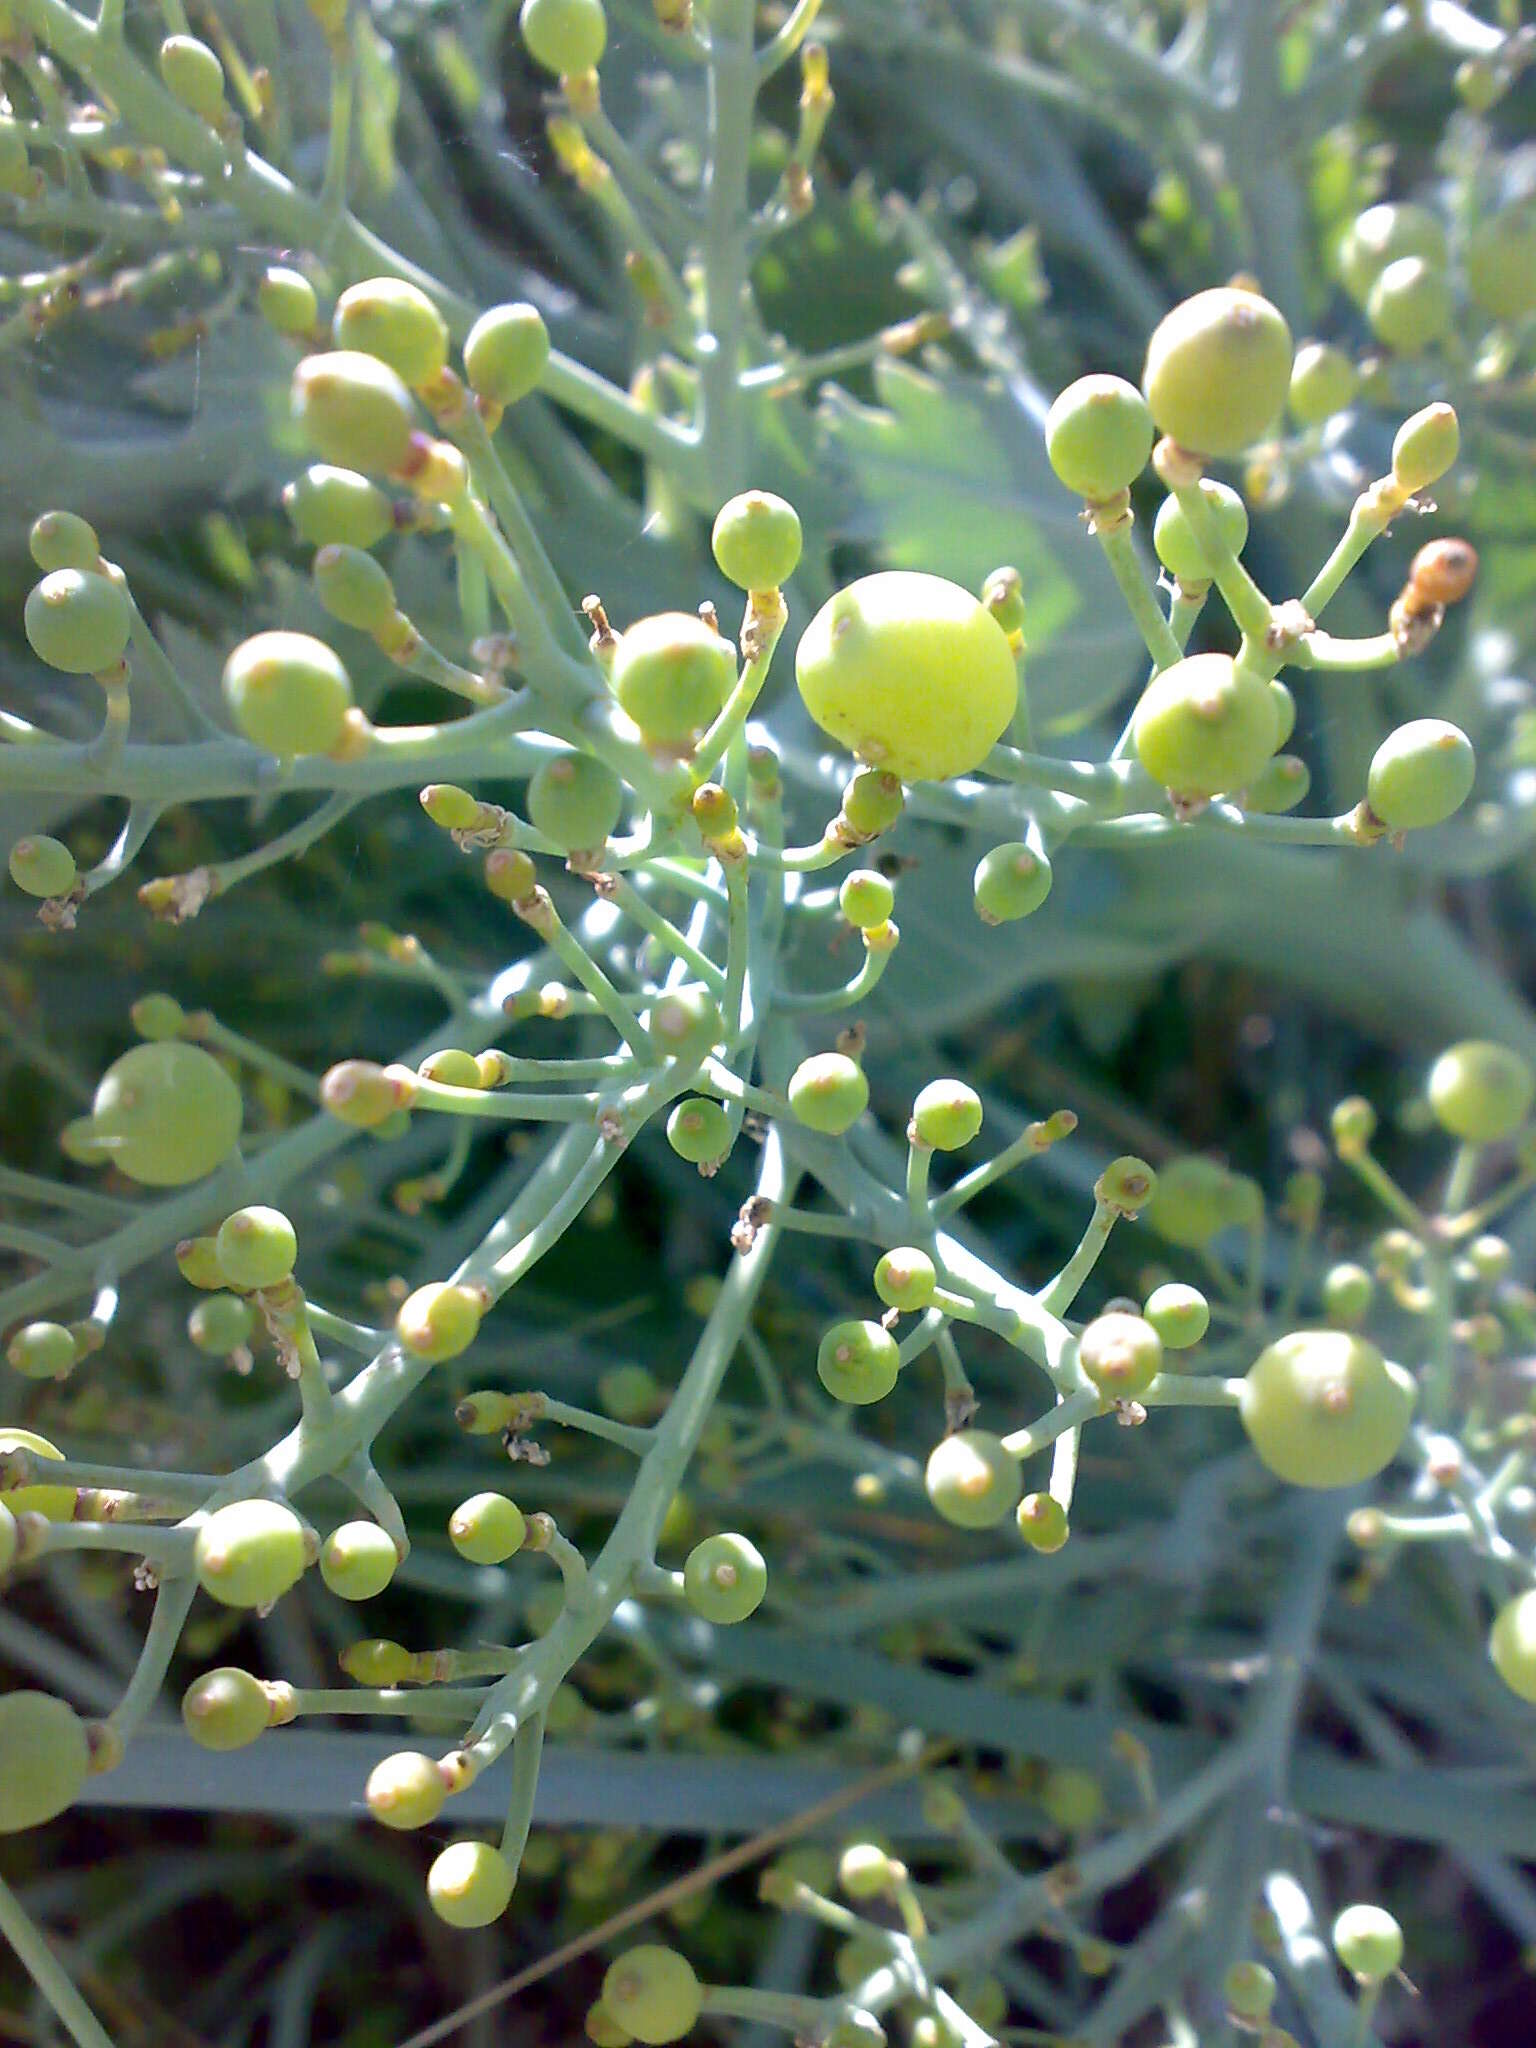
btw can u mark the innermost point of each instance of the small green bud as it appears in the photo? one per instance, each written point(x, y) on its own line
point(866, 1871)
point(256, 1248)
point(470, 1884)
point(565, 36)
point(1353, 1124)
point(358, 1560)
point(450, 807)
point(1481, 1093)
point(873, 802)
point(946, 1115)
point(1411, 306)
point(1421, 774)
point(971, 1480)
point(395, 321)
point(192, 73)
point(857, 1362)
point(1042, 1522)
point(353, 588)
point(355, 410)
point(1425, 446)
point(337, 507)
point(197, 1260)
point(828, 1093)
point(451, 1068)
point(1347, 1293)
point(905, 1279)
point(505, 353)
point(1010, 882)
point(226, 1709)
point(406, 1790)
point(157, 1016)
point(63, 540)
point(654, 1993)
point(1217, 371)
point(724, 1579)
point(699, 1131)
point(42, 1351)
point(287, 692)
point(42, 866)
point(487, 1528)
point(1098, 435)
point(286, 300)
point(1180, 1315)
point(377, 1661)
point(1003, 596)
point(1368, 1942)
point(1173, 538)
point(221, 1324)
point(439, 1321)
point(866, 899)
point(575, 800)
point(671, 674)
point(757, 541)
point(1121, 1354)
point(78, 621)
point(249, 1553)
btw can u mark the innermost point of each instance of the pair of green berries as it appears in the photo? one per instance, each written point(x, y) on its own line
point(1395, 262)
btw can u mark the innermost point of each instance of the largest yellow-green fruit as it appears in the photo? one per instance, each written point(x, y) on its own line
point(1218, 370)
point(910, 673)
point(1325, 1408)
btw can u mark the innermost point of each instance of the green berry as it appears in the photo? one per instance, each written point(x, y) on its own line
point(42, 866)
point(454, 809)
point(1126, 1184)
point(857, 1362)
point(1010, 882)
point(377, 1661)
point(158, 1016)
point(910, 673)
point(451, 1067)
point(1501, 263)
point(439, 1321)
point(575, 800)
point(1205, 726)
point(724, 1579)
point(337, 507)
point(1218, 369)
point(1121, 1354)
point(565, 36)
point(1323, 382)
point(46, 1756)
point(78, 621)
point(1325, 1408)
point(406, 1790)
point(505, 353)
point(42, 1351)
point(286, 300)
point(353, 588)
point(487, 1528)
point(226, 1709)
point(1425, 446)
point(1249, 1990)
point(63, 540)
point(1098, 435)
point(1174, 540)
point(1195, 1200)
point(166, 1114)
point(54, 1503)
point(1280, 785)
point(905, 1279)
point(81, 1141)
point(1481, 1093)
point(1347, 1294)
point(629, 1393)
point(256, 1248)
point(865, 1871)
point(757, 541)
point(192, 73)
point(470, 1884)
point(1180, 1315)
point(1512, 1644)
point(395, 321)
point(685, 1025)
point(600, 2026)
point(358, 1560)
point(1368, 1942)
point(672, 673)
point(1385, 234)
point(699, 1131)
point(287, 692)
point(873, 801)
point(946, 1115)
point(1072, 1798)
point(828, 1093)
point(249, 1553)
point(1003, 596)
point(971, 1480)
point(1421, 774)
point(653, 1992)
point(1411, 305)
point(355, 410)
point(221, 1324)
point(866, 899)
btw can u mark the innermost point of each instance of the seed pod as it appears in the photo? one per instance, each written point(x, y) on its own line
point(1368, 1942)
point(873, 802)
point(359, 1093)
point(1195, 1200)
point(857, 1362)
point(1323, 382)
point(286, 300)
point(470, 1884)
point(1411, 306)
point(221, 1324)
point(575, 800)
point(166, 1114)
point(1042, 1522)
point(42, 1351)
point(1121, 1354)
point(724, 1579)
point(63, 540)
point(685, 1024)
point(828, 1093)
point(1180, 1315)
point(565, 36)
point(256, 1248)
point(395, 321)
point(971, 1480)
point(288, 692)
point(1280, 785)
point(757, 541)
point(249, 1553)
point(406, 1790)
point(450, 807)
point(1205, 725)
point(1425, 446)
point(671, 674)
point(505, 353)
point(78, 621)
point(377, 1661)
point(699, 1131)
point(358, 1560)
point(1098, 435)
point(1347, 1292)
point(653, 1992)
point(905, 1279)
point(1383, 234)
point(1218, 369)
point(42, 866)
point(866, 899)
point(192, 73)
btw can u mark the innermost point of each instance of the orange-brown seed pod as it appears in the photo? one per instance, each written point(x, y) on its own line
point(1443, 571)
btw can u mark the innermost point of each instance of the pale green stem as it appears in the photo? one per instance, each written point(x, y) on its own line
point(527, 1749)
point(1120, 553)
point(48, 1974)
point(1058, 1295)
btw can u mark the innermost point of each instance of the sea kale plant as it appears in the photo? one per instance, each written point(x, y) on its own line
point(676, 837)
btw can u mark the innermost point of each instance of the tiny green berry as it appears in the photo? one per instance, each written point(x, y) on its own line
point(857, 1362)
point(1369, 1943)
point(1280, 785)
point(757, 541)
point(1325, 1408)
point(286, 300)
point(699, 1131)
point(873, 801)
point(724, 1579)
point(565, 36)
point(1411, 306)
point(1121, 1354)
point(1042, 1522)
point(1127, 1184)
point(1072, 1798)
point(671, 674)
point(337, 507)
point(439, 1321)
point(828, 1093)
point(946, 1115)
point(376, 1661)
point(157, 1016)
point(225, 1709)
point(166, 1114)
point(971, 1480)
point(54, 1503)
point(1195, 1200)
point(220, 1324)
point(905, 1279)
point(1217, 371)
point(78, 621)
point(1174, 541)
point(1480, 1092)
point(256, 1248)
point(575, 800)
point(1098, 435)
point(395, 321)
point(630, 1393)
point(1010, 882)
point(406, 1790)
point(355, 410)
point(1180, 1315)
point(353, 588)
point(1420, 775)
point(1425, 446)
point(470, 1884)
point(42, 866)
point(600, 2026)
point(1323, 382)
point(359, 1093)
point(450, 807)
point(487, 1528)
point(192, 73)
point(451, 1067)
point(653, 1992)
point(1205, 726)
point(1512, 1644)
point(505, 353)
point(287, 692)
point(63, 540)
point(866, 899)
point(42, 1351)
point(685, 1024)
point(866, 1871)
point(1249, 1990)
point(47, 1759)
point(249, 1553)
point(1347, 1292)
point(358, 1560)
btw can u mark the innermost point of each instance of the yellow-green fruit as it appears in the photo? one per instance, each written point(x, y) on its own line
point(221, 1324)
point(1042, 1522)
point(439, 1321)
point(55, 1503)
point(1205, 726)
point(395, 321)
point(725, 1578)
point(45, 1759)
point(330, 506)
point(1480, 1092)
point(487, 1528)
point(1180, 1315)
point(1010, 882)
point(565, 36)
point(358, 1560)
point(225, 1709)
point(286, 300)
point(1512, 1644)
point(699, 1131)
point(256, 1247)
point(1411, 305)
point(42, 866)
point(1218, 369)
point(77, 621)
point(672, 673)
point(166, 1113)
point(505, 353)
point(910, 673)
point(1325, 1408)
point(757, 541)
point(1121, 1354)
point(857, 1362)
point(1501, 263)
point(406, 1790)
point(1368, 1942)
point(828, 1093)
point(63, 540)
point(287, 692)
point(575, 800)
point(355, 410)
point(1425, 446)
point(249, 1553)
point(1174, 540)
point(653, 1992)
point(192, 73)
point(971, 1480)
point(1421, 774)
point(470, 1884)
point(353, 588)
point(1323, 382)
point(42, 1351)
point(1195, 1200)
point(1098, 435)
point(1385, 234)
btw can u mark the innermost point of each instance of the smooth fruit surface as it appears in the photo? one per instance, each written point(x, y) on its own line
point(946, 1115)
point(225, 1709)
point(353, 588)
point(57, 1503)
point(1121, 1354)
point(44, 1759)
point(505, 353)
point(910, 673)
point(1098, 436)
point(42, 866)
point(341, 507)
point(487, 1528)
point(1512, 1644)
point(565, 36)
point(355, 410)
point(672, 673)
point(1425, 446)
point(653, 1992)
point(395, 321)
point(757, 540)
point(63, 540)
point(828, 1093)
point(439, 1321)
point(256, 1247)
point(1205, 726)
point(1181, 1315)
point(1481, 1092)
point(286, 300)
point(249, 1553)
point(725, 1578)
point(1421, 774)
point(1010, 882)
point(1174, 540)
point(77, 621)
point(166, 1114)
point(575, 800)
point(1369, 1943)
point(971, 1480)
point(699, 1130)
point(1384, 234)
point(1325, 1408)
point(1218, 369)
point(1411, 305)
point(470, 1884)
point(406, 1790)
point(358, 1560)
point(41, 1351)
point(857, 1362)
point(1323, 382)
point(287, 692)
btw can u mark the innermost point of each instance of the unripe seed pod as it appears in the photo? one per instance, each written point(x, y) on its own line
point(565, 36)
point(1384, 234)
point(1072, 1798)
point(359, 1093)
point(353, 588)
point(1098, 435)
point(355, 410)
point(287, 692)
point(757, 541)
point(1480, 1092)
point(454, 809)
point(714, 811)
point(439, 1321)
point(1174, 540)
point(53, 1503)
point(157, 1016)
point(1443, 571)
point(1411, 306)
point(377, 1661)
point(1205, 725)
point(629, 1393)
point(249, 1553)
point(221, 1324)
point(510, 875)
point(857, 1362)
point(685, 1024)
point(1425, 446)
point(1323, 382)
point(828, 1093)
point(505, 353)
point(1195, 1200)
point(1500, 263)
point(1010, 882)
point(1353, 1124)
point(653, 1992)
point(1217, 371)
point(1127, 1184)
point(1347, 1293)
point(42, 1351)
point(286, 300)
point(1325, 1408)
point(971, 1480)
point(866, 899)
point(866, 1871)
point(905, 1279)
point(946, 1115)
point(63, 540)
point(1180, 1315)
point(575, 800)
point(358, 1560)
point(487, 1528)
point(910, 673)
point(192, 73)
point(1122, 1355)
point(226, 1709)
point(724, 1579)
point(470, 1884)
point(77, 621)
point(197, 1260)
point(406, 1790)
point(1421, 774)
point(47, 1759)
point(451, 1068)
point(337, 507)
point(166, 1114)
point(395, 321)
point(1280, 785)
point(699, 1131)
point(1368, 1942)
point(1512, 1644)
point(256, 1248)
point(42, 866)
point(873, 801)
point(671, 674)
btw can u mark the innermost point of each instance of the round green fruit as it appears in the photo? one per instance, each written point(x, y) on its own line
point(1010, 882)
point(63, 540)
point(1425, 446)
point(1218, 369)
point(1174, 540)
point(286, 300)
point(487, 1528)
point(1098, 435)
point(1249, 1990)
point(575, 800)
point(866, 899)
point(1480, 1092)
point(653, 1992)
point(685, 1024)
point(358, 1560)
point(1180, 1315)
point(905, 1279)
point(287, 692)
point(42, 1351)
point(256, 1248)
point(672, 674)
point(46, 1759)
point(353, 588)
point(220, 1324)
point(1501, 263)
point(406, 1790)
point(1323, 382)
point(1205, 726)
point(1121, 1354)
point(1368, 1942)
point(249, 1553)
point(857, 1362)
point(565, 36)
point(505, 353)
point(757, 541)
point(971, 1480)
point(946, 1115)
point(1280, 785)
point(1512, 1644)
point(42, 866)
point(828, 1093)
point(1411, 306)
point(1072, 1798)
point(873, 802)
point(699, 1131)
point(1421, 775)
point(439, 1321)
point(225, 1709)
point(332, 507)
point(909, 672)
point(470, 1884)
point(1385, 234)
point(1195, 1200)
point(192, 73)
point(395, 321)
point(724, 1579)
point(166, 1114)
point(355, 410)
point(1325, 1408)
point(1042, 1522)
point(158, 1016)
point(78, 621)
